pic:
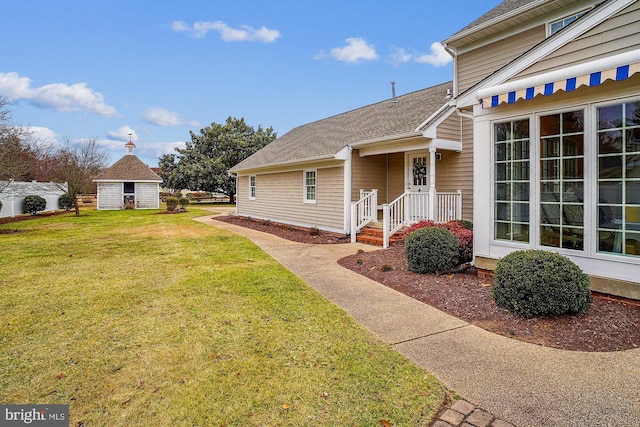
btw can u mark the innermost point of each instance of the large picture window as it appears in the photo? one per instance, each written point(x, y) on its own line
point(511, 180)
point(562, 180)
point(310, 186)
point(618, 182)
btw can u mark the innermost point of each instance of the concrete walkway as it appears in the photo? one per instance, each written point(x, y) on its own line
point(524, 384)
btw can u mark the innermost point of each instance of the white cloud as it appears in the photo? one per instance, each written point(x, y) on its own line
point(228, 34)
point(161, 117)
point(58, 96)
point(355, 51)
point(400, 56)
point(122, 134)
point(438, 56)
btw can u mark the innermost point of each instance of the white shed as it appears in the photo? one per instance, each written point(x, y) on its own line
point(128, 183)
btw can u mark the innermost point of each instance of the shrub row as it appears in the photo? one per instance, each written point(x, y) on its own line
point(173, 202)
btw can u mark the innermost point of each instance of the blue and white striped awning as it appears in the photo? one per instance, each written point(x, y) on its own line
point(594, 73)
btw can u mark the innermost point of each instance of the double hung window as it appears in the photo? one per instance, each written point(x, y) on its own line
point(310, 186)
point(252, 187)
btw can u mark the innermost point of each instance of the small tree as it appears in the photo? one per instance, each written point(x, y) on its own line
point(77, 164)
point(34, 204)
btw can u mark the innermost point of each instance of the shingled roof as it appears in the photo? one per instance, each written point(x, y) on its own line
point(501, 9)
point(324, 138)
point(128, 168)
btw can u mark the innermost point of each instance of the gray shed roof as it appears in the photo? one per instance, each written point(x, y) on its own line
point(325, 138)
point(128, 168)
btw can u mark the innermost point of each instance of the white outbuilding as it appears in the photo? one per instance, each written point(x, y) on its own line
point(128, 184)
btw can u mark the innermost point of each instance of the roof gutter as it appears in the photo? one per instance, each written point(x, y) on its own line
point(506, 16)
point(405, 135)
point(284, 163)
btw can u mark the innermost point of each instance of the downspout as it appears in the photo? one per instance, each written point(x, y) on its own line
point(454, 55)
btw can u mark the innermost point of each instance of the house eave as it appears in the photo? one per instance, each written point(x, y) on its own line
point(290, 164)
point(551, 44)
point(478, 30)
point(387, 138)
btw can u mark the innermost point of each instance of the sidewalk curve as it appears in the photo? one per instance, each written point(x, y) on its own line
point(525, 384)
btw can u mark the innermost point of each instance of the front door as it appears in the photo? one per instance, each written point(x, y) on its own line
point(418, 186)
point(417, 173)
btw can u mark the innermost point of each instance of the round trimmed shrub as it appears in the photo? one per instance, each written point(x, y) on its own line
point(172, 204)
point(540, 283)
point(65, 202)
point(34, 204)
point(431, 249)
point(183, 202)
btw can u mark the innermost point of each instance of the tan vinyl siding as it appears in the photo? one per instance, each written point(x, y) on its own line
point(279, 198)
point(396, 176)
point(616, 35)
point(455, 170)
point(450, 128)
point(368, 173)
point(477, 64)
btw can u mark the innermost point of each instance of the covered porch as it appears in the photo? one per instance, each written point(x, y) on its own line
point(404, 188)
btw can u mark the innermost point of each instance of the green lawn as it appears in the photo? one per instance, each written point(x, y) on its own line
point(134, 318)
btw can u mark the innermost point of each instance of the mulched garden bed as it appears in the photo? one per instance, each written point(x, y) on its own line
point(610, 324)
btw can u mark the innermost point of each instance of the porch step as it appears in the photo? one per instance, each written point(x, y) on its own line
point(373, 235)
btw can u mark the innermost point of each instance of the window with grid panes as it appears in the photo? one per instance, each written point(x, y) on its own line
point(618, 181)
point(252, 187)
point(511, 180)
point(310, 186)
point(562, 180)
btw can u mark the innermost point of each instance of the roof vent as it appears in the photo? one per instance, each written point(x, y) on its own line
point(448, 94)
point(393, 92)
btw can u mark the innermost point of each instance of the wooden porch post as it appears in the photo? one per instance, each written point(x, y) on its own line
point(432, 183)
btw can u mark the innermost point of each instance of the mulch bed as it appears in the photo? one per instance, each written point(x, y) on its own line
point(610, 324)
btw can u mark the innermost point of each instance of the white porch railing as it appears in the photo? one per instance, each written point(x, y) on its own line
point(449, 206)
point(410, 208)
point(363, 211)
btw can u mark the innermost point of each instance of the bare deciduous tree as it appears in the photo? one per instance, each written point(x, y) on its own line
point(77, 165)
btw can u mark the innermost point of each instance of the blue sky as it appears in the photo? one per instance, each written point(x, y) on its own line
point(157, 69)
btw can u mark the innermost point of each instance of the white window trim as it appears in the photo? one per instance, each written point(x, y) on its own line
point(252, 188)
point(590, 182)
point(555, 21)
point(512, 243)
point(315, 186)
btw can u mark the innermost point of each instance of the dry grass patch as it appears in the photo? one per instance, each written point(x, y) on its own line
point(131, 325)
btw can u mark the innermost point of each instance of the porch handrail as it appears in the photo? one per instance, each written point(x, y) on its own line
point(449, 206)
point(393, 218)
point(363, 211)
point(409, 208)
